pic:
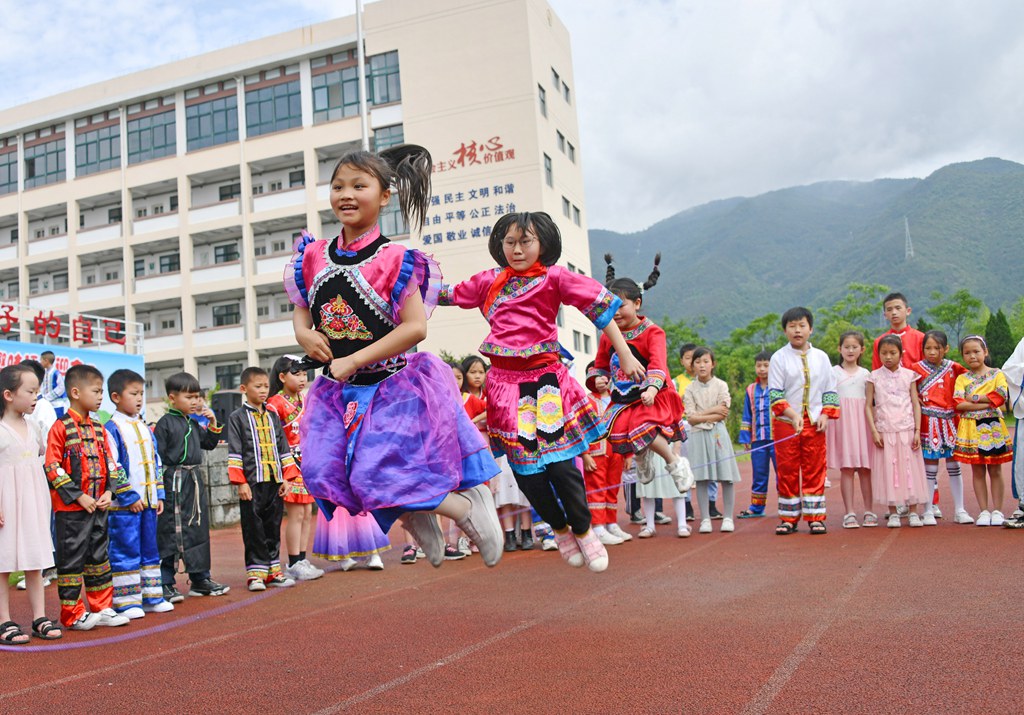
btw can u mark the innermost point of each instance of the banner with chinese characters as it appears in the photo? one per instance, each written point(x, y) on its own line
point(470, 213)
point(55, 328)
point(12, 353)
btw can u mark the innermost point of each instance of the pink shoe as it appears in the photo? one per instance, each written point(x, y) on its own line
point(569, 549)
point(593, 551)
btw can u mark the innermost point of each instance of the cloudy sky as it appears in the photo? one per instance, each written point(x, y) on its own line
point(679, 102)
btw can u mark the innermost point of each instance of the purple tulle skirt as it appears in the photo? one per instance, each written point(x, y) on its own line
point(348, 537)
point(400, 445)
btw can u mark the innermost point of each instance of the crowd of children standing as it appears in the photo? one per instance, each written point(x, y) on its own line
point(129, 504)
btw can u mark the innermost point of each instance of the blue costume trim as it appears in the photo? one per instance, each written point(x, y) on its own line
point(300, 248)
point(404, 274)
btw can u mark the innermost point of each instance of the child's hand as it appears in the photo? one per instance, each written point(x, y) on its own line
point(648, 395)
point(632, 367)
point(721, 411)
point(283, 489)
point(244, 492)
point(822, 422)
point(916, 443)
point(209, 414)
point(798, 423)
point(160, 507)
point(1, 519)
point(104, 501)
point(136, 507)
point(589, 464)
point(87, 502)
point(877, 438)
point(343, 368)
point(315, 344)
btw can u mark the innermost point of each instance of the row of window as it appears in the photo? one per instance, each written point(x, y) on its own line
point(571, 211)
point(210, 123)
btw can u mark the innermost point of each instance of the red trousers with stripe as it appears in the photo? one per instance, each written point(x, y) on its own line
point(603, 489)
point(800, 469)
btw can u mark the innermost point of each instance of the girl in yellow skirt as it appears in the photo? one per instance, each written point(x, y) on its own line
point(981, 438)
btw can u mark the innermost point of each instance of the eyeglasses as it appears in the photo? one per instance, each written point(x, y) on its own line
point(525, 243)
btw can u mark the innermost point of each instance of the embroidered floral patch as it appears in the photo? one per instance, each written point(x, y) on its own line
point(350, 413)
point(339, 321)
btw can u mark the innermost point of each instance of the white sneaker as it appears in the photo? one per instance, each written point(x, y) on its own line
point(936, 512)
point(683, 532)
point(928, 519)
point(962, 517)
point(984, 519)
point(914, 519)
point(314, 572)
point(256, 584)
point(727, 524)
point(463, 546)
point(374, 563)
point(705, 526)
point(682, 475)
point(162, 607)
point(997, 518)
point(548, 543)
point(134, 612)
point(619, 532)
point(110, 617)
point(644, 469)
point(1017, 513)
point(304, 571)
point(607, 538)
point(87, 622)
point(347, 564)
point(893, 522)
point(21, 585)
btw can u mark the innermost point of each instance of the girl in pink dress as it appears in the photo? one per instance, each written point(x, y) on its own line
point(537, 414)
point(25, 543)
point(847, 439)
point(894, 416)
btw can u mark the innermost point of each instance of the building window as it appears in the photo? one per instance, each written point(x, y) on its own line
point(296, 178)
point(542, 97)
point(14, 236)
point(81, 220)
point(549, 175)
point(98, 150)
point(230, 191)
point(229, 314)
point(40, 233)
point(382, 78)
point(391, 223)
point(44, 164)
point(212, 123)
point(60, 281)
point(576, 215)
point(274, 186)
point(284, 308)
point(111, 275)
point(225, 253)
point(33, 286)
point(257, 189)
point(90, 278)
point(577, 341)
point(228, 377)
point(173, 202)
point(335, 95)
point(9, 172)
point(560, 138)
point(586, 344)
point(171, 263)
point(272, 109)
point(140, 267)
point(151, 137)
point(158, 209)
point(559, 320)
point(555, 79)
point(54, 230)
point(565, 92)
point(170, 324)
point(141, 213)
point(279, 246)
point(388, 137)
point(566, 209)
point(259, 250)
point(262, 311)
point(571, 153)
point(114, 215)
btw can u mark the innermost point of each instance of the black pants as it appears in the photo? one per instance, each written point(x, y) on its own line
point(82, 561)
point(561, 480)
point(261, 530)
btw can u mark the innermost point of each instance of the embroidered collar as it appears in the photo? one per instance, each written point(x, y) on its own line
point(261, 409)
point(637, 330)
point(360, 243)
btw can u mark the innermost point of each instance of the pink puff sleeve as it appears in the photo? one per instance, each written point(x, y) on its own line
point(590, 297)
point(294, 279)
point(469, 293)
point(418, 271)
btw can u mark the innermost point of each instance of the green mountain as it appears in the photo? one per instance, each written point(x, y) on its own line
point(737, 259)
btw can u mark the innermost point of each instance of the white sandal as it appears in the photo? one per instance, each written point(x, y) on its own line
point(646, 533)
point(850, 521)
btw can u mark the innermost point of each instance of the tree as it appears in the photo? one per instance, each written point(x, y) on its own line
point(680, 332)
point(862, 302)
point(956, 312)
point(1000, 340)
point(924, 326)
point(764, 333)
point(1016, 318)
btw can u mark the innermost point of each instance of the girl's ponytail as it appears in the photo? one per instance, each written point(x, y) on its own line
point(411, 166)
point(609, 274)
point(652, 279)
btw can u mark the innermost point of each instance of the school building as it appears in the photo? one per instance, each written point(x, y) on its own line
point(171, 197)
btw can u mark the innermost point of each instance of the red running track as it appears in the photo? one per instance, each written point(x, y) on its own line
point(873, 620)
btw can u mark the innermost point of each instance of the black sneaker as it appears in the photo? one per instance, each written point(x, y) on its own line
point(409, 554)
point(636, 518)
point(172, 594)
point(1017, 523)
point(208, 587)
point(713, 512)
point(452, 554)
point(689, 511)
point(661, 518)
point(526, 542)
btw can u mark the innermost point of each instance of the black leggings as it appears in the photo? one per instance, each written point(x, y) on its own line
point(559, 481)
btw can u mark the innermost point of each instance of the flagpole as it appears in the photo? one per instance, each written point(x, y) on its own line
point(363, 112)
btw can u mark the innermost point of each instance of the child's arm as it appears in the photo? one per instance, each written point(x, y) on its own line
point(746, 421)
point(312, 341)
point(289, 470)
point(468, 294)
point(627, 362)
point(915, 400)
point(236, 469)
point(411, 330)
point(158, 476)
point(829, 395)
point(869, 412)
point(119, 454)
point(60, 480)
point(209, 438)
point(780, 407)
